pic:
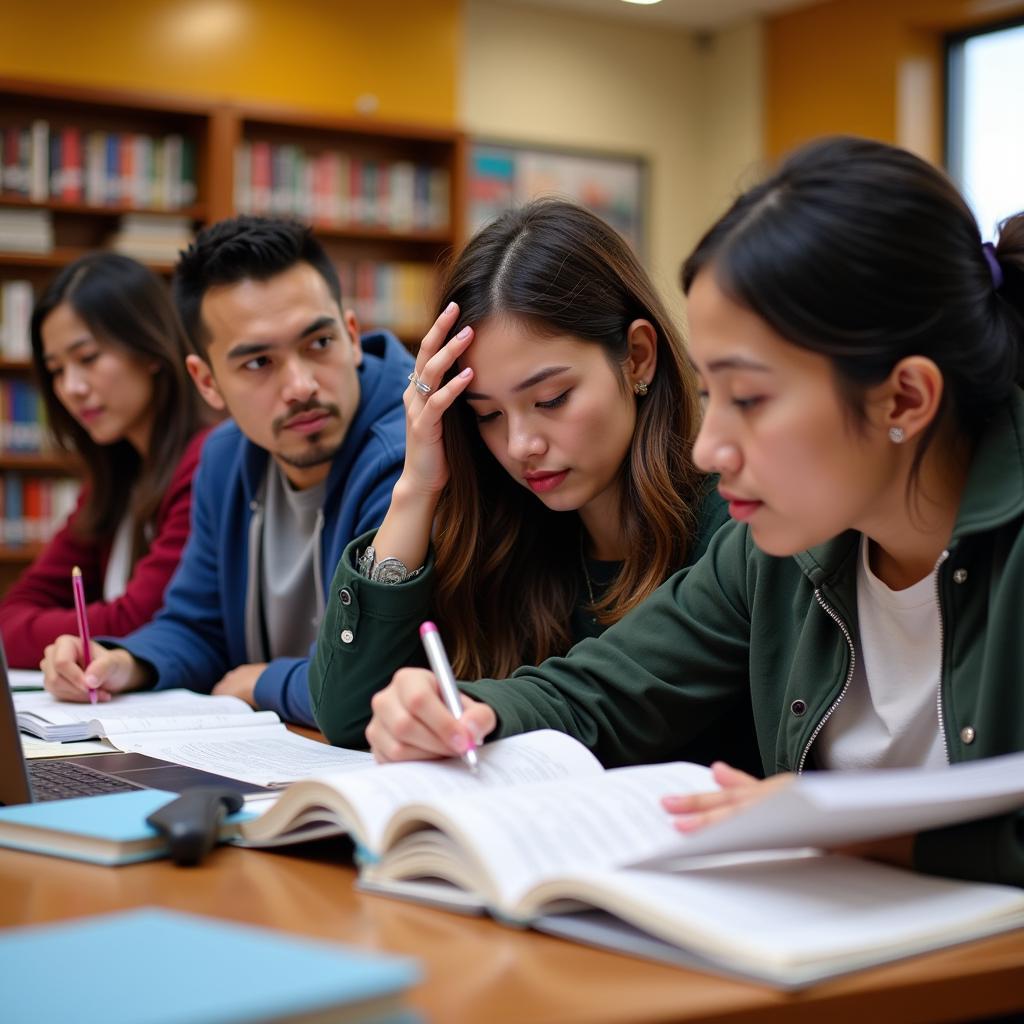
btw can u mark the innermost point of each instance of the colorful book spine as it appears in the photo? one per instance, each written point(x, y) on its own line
point(43, 161)
point(396, 295)
point(33, 509)
point(335, 189)
point(71, 165)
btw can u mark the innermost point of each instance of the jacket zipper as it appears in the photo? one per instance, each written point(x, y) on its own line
point(942, 654)
point(834, 616)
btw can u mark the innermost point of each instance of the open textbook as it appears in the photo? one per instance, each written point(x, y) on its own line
point(543, 832)
point(217, 734)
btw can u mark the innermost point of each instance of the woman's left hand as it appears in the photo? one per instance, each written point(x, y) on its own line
point(694, 811)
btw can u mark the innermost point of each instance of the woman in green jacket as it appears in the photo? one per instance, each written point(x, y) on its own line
point(548, 485)
point(860, 349)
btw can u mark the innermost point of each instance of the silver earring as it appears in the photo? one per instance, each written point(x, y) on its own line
point(896, 435)
point(640, 388)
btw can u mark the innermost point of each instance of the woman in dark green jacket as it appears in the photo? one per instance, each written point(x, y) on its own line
point(861, 351)
point(561, 490)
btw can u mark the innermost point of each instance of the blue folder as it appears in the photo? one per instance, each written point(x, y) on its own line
point(154, 966)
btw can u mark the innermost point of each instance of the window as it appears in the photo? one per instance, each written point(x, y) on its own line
point(985, 121)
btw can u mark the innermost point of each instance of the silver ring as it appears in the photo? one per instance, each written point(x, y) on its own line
point(420, 386)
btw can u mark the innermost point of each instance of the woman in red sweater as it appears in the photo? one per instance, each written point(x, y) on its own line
point(109, 354)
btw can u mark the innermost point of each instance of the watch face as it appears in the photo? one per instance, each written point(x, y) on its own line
point(391, 570)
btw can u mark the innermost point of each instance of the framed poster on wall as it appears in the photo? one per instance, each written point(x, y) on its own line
point(502, 175)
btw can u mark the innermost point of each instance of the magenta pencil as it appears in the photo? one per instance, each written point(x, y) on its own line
point(78, 589)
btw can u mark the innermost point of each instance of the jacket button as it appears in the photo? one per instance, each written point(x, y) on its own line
point(798, 707)
point(960, 576)
point(345, 596)
point(347, 636)
point(967, 734)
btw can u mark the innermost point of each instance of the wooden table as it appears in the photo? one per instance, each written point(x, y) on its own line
point(478, 971)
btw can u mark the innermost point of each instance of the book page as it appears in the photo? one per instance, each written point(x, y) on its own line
point(524, 834)
point(138, 712)
point(530, 757)
point(795, 919)
point(264, 755)
point(828, 809)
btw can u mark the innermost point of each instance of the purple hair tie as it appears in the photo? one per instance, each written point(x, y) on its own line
point(993, 264)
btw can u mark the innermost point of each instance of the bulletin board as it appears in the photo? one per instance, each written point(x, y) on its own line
point(502, 175)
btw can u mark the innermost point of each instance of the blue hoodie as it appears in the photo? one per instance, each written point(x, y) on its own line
point(199, 634)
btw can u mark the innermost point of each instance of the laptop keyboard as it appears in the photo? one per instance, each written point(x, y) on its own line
point(59, 780)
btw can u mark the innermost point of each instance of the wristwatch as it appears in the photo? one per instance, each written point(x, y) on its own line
point(388, 570)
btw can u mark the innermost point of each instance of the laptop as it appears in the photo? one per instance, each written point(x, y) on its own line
point(58, 778)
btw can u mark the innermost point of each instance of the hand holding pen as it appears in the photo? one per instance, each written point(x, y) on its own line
point(438, 658)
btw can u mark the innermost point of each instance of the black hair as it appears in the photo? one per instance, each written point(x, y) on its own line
point(240, 249)
point(127, 306)
point(867, 254)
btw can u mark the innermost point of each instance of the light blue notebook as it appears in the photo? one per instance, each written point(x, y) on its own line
point(159, 967)
point(107, 829)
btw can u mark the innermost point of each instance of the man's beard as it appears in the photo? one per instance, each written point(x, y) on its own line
point(315, 455)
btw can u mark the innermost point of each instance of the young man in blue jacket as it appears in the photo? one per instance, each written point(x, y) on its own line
point(307, 463)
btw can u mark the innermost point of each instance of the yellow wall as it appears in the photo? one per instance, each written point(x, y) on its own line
point(535, 74)
point(871, 67)
point(314, 54)
point(732, 117)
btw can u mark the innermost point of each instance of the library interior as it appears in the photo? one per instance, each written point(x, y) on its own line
point(397, 131)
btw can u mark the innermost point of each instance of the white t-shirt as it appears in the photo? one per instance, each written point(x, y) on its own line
point(115, 580)
point(889, 717)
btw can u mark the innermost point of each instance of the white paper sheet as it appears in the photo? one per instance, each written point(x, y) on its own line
point(24, 679)
point(263, 755)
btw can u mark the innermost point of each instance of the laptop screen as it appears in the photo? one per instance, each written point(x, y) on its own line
point(14, 787)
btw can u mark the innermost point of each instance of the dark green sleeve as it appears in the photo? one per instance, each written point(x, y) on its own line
point(990, 850)
point(669, 679)
point(369, 631)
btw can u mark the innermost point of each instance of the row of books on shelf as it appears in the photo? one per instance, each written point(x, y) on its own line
point(398, 296)
point(150, 237)
point(16, 298)
point(333, 188)
point(43, 162)
point(27, 231)
point(33, 508)
point(22, 418)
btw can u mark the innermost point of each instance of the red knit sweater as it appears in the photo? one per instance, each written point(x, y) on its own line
point(39, 607)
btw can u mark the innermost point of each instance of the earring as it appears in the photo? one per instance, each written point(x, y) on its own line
point(640, 388)
point(896, 435)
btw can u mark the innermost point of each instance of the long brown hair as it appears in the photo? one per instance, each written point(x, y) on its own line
point(126, 305)
point(508, 567)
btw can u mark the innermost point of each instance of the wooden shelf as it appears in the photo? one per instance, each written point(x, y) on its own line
point(367, 233)
point(15, 366)
point(38, 462)
point(19, 554)
point(63, 255)
point(194, 212)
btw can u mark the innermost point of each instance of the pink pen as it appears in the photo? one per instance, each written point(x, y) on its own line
point(78, 589)
point(442, 667)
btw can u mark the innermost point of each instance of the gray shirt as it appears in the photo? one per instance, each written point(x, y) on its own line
point(285, 599)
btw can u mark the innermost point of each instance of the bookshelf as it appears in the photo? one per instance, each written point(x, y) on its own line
point(384, 199)
point(85, 168)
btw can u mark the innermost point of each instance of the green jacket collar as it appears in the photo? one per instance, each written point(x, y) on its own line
point(993, 496)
